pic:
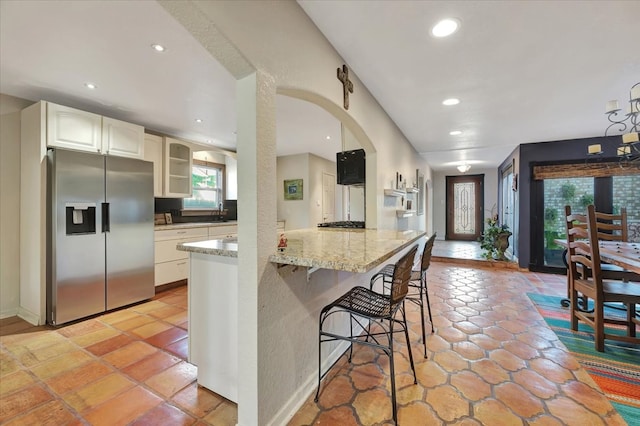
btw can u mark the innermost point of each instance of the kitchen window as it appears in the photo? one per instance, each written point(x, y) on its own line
point(208, 186)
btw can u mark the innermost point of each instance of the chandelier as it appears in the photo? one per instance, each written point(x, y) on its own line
point(629, 124)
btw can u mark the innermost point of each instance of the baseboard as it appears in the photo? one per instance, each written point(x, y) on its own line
point(299, 397)
point(29, 316)
point(175, 284)
point(9, 313)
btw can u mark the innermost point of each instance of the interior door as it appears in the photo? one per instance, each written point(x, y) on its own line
point(328, 197)
point(465, 201)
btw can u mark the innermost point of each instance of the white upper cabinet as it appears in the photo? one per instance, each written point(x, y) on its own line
point(122, 139)
point(177, 169)
point(153, 153)
point(72, 128)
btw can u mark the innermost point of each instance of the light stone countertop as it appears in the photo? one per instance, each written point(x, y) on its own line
point(352, 250)
point(227, 247)
point(194, 225)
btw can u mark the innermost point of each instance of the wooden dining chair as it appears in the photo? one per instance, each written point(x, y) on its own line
point(611, 227)
point(584, 253)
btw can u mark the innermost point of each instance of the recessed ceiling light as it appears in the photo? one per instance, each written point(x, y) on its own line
point(198, 120)
point(451, 101)
point(455, 132)
point(158, 47)
point(328, 137)
point(90, 86)
point(445, 27)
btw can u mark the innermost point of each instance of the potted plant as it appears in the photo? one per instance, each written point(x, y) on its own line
point(495, 239)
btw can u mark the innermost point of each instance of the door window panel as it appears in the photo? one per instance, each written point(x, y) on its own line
point(575, 192)
point(464, 207)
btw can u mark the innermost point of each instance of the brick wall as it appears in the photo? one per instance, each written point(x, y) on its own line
point(626, 193)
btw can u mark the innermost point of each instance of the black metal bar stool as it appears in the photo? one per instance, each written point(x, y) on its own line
point(364, 307)
point(418, 282)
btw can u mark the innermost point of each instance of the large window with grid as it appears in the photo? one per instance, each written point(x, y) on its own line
point(208, 186)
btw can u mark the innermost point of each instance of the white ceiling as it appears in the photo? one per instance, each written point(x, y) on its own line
point(525, 71)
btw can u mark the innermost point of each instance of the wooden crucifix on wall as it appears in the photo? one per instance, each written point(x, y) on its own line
point(347, 85)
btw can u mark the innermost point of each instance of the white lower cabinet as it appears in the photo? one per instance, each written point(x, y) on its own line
point(171, 264)
point(223, 231)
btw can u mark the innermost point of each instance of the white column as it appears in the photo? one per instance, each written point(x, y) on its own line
point(256, 137)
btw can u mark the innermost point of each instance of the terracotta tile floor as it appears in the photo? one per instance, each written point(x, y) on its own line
point(124, 368)
point(492, 361)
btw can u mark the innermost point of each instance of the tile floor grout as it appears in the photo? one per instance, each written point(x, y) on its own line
point(468, 373)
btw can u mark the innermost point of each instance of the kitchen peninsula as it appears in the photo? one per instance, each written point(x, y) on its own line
point(213, 296)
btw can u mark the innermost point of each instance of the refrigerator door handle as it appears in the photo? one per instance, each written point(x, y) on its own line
point(106, 223)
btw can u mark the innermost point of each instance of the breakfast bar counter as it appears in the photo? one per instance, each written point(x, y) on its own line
point(352, 250)
point(213, 289)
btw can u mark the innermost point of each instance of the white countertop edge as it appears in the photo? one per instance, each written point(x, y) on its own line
point(193, 225)
point(220, 247)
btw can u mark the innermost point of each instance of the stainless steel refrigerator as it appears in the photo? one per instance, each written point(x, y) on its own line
point(100, 244)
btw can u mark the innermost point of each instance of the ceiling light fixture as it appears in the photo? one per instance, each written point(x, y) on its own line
point(328, 138)
point(158, 47)
point(451, 101)
point(198, 120)
point(90, 86)
point(445, 27)
point(463, 168)
point(455, 132)
point(629, 149)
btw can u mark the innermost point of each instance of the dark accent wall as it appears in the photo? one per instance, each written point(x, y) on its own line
point(566, 151)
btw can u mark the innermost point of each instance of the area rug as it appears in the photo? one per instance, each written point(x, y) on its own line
point(616, 370)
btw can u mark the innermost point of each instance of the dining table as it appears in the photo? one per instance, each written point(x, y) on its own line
point(623, 254)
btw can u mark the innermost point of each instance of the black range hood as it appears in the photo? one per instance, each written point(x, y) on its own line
point(351, 167)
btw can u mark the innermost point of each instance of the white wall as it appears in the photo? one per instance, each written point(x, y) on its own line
point(440, 196)
point(305, 213)
point(9, 203)
point(295, 213)
point(275, 46)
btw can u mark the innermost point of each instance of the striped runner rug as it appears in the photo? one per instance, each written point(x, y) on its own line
point(616, 370)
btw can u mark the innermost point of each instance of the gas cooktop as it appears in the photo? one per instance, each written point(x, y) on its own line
point(342, 224)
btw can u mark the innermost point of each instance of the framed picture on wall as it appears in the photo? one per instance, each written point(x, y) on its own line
point(293, 189)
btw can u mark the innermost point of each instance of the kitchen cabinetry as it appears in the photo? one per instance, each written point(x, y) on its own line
point(71, 128)
point(122, 139)
point(223, 231)
point(153, 153)
point(171, 264)
point(177, 169)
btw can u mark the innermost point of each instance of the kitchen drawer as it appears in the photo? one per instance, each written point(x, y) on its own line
point(174, 234)
point(168, 272)
point(166, 251)
point(223, 231)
